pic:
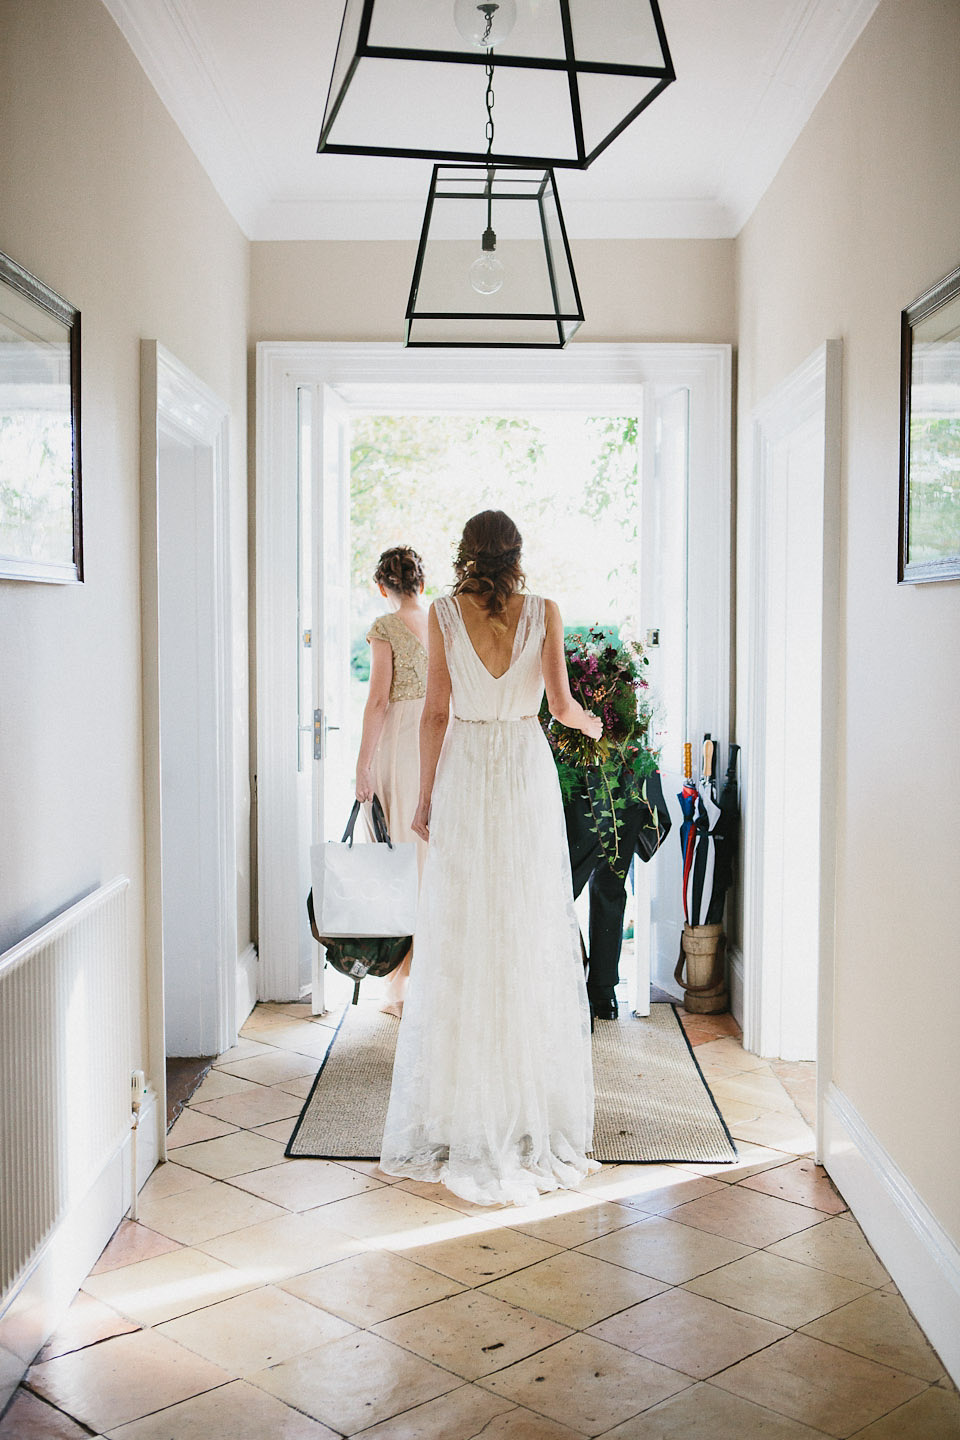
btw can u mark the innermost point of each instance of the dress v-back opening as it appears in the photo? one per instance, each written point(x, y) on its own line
point(514, 651)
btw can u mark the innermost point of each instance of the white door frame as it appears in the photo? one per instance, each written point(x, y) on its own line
point(174, 403)
point(810, 396)
point(385, 374)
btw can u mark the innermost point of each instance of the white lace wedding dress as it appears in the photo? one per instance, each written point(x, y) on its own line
point(492, 1085)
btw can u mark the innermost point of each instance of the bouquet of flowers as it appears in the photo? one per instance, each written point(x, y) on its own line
point(606, 675)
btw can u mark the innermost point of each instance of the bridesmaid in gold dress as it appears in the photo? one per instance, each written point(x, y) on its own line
point(389, 761)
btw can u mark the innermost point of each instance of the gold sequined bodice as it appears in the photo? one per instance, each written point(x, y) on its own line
point(409, 657)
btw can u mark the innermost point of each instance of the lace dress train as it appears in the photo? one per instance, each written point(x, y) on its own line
point(492, 1088)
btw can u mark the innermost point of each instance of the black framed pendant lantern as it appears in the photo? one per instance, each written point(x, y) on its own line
point(493, 267)
point(571, 76)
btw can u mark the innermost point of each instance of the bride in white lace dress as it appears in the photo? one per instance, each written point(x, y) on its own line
point(492, 1085)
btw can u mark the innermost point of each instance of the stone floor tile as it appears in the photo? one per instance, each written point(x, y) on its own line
point(231, 1155)
point(251, 1331)
point(311, 1040)
point(472, 1334)
point(661, 1248)
point(371, 1286)
point(122, 1379)
point(260, 1105)
point(300, 1087)
point(237, 1411)
point(688, 1332)
point(523, 1424)
point(29, 1418)
point(576, 1227)
point(574, 1289)
point(132, 1242)
point(243, 1050)
point(663, 1188)
point(802, 1181)
point(837, 1245)
point(706, 1413)
point(217, 1084)
point(353, 1383)
point(777, 1289)
point(371, 1168)
point(754, 1088)
point(152, 1291)
point(934, 1415)
point(279, 1130)
point(881, 1328)
point(586, 1383)
point(86, 1322)
point(276, 1249)
point(468, 1411)
point(196, 1215)
point(393, 1217)
point(729, 1051)
point(751, 1159)
point(432, 1190)
point(304, 1184)
point(819, 1385)
point(746, 1215)
point(779, 1131)
point(172, 1179)
point(269, 1066)
point(191, 1126)
point(477, 1259)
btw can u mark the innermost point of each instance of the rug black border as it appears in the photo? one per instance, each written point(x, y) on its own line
point(673, 1005)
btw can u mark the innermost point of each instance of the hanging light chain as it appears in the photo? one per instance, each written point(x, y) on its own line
point(489, 100)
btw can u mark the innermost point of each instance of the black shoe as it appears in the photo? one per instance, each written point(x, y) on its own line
point(604, 1009)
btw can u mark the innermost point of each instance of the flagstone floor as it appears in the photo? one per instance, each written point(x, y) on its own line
point(261, 1297)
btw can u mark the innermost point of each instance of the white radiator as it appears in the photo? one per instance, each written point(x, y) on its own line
point(65, 1062)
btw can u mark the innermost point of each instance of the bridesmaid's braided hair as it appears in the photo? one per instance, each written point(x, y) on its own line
point(487, 562)
point(400, 569)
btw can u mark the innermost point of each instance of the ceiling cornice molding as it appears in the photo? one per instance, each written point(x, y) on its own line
point(178, 60)
point(180, 67)
point(820, 41)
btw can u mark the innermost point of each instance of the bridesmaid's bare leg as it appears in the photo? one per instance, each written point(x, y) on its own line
point(396, 990)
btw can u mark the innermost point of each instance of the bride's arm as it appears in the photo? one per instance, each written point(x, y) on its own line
point(562, 705)
point(434, 722)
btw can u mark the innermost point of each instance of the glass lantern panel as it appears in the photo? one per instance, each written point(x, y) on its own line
point(619, 32)
point(429, 25)
point(346, 48)
point(439, 108)
point(500, 333)
point(567, 302)
point(606, 101)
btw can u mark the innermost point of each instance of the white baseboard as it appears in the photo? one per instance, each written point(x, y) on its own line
point(735, 963)
point(247, 980)
point(38, 1306)
point(923, 1260)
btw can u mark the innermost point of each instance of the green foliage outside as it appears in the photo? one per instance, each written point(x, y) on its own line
point(934, 487)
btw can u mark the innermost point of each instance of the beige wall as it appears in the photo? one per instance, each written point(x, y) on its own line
point(631, 289)
point(865, 214)
point(101, 197)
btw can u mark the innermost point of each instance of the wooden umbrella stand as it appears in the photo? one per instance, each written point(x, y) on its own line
point(703, 948)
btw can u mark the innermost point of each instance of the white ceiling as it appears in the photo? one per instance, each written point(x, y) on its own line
point(246, 81)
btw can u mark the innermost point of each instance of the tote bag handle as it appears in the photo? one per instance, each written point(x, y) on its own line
point(381, 833)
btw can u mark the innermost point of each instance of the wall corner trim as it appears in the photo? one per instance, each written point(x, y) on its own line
point(923, 1260)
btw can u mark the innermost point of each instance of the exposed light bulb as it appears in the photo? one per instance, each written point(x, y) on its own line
point(486, 274)
point(487, 23)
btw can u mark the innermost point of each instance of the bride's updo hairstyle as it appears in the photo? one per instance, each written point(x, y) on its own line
point(487, 562)
point(400, 569)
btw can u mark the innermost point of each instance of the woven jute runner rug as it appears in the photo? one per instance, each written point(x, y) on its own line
point(652, 1102)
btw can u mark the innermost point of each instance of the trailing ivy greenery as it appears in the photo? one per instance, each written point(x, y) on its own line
point(606, 676)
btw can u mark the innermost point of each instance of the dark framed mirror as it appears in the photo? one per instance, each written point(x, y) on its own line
point(930, 435)
point(41, 532)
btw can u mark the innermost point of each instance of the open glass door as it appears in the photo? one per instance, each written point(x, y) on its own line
point(332, 792)
point(664, 610)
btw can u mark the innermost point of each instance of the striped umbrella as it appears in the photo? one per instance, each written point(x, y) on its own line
point(688, 830)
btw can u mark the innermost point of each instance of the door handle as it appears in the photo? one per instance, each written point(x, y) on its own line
point(321, 729)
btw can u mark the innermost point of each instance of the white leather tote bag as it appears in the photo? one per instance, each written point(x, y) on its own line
point(365, 889)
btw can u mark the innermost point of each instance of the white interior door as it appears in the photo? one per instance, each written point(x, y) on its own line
point(790, 580)
point(665, 589)
point(329, 565)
